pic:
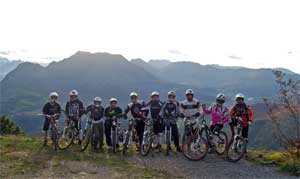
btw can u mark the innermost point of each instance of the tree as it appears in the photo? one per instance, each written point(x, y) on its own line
point(8, 126)
point(284, 113)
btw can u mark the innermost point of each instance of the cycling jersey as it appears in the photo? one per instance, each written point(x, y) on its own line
point(51, 108)
point(134, 109)
point(74, 109)
point(219, 113)
point(96, 112)
point(170, 109)
point(190, 108)
point(242, 110)
point(155, 108)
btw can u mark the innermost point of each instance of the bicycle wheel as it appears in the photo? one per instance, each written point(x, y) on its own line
point(168, 142)
point(54, 138)
point(66, 140)
point(86, 139)
point(221, 142)
point(237, 149)
point(193, 150)
point(146, 144)
point(114, 141)
point(126, 141)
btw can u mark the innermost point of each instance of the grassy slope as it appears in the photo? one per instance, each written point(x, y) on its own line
point(23, 157)
point(281, 159)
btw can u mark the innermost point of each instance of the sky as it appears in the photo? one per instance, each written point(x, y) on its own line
point(254, 33)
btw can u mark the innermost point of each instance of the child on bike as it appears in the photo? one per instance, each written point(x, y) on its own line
point(50, 108)
point(74, 111)
point(219, 113)
point(243, 111)
point(111, 113)
point(96, 114)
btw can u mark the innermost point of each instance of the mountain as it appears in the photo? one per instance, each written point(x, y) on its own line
point(159, 64)
point(255, 83)
point(6, 66)
point(26, 89)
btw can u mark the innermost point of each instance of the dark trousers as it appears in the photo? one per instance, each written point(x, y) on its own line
point(98, 132)
point(108, 128)
point(175, 134)
point(140, 127)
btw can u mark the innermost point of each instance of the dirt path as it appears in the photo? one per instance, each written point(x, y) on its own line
point(211, 167)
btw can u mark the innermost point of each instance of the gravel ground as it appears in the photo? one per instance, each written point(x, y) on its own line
point(212, 166)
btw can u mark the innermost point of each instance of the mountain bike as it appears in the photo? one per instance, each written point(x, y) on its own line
point(87, 136)
point(53, 129)
point(70, 135)
point(168, 121)
point(215, 139)
point(117, 133)
point(237, 147)
point(130, 133)
point(194, 146)
point(148, 137)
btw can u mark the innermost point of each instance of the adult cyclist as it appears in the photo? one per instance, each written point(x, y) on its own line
point(171, 110)
point(134, 112)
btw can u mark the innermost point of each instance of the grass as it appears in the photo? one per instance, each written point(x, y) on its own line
point(282, 160)
point(24, 157)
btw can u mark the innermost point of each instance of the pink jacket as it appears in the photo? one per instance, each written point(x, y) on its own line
point(219, 113)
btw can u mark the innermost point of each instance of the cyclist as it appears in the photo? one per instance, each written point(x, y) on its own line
point(96, 114)
point(111, 112)
point(219, 113)
point(134, 109)
point(242, 110)
point(155, 106)
point(74, 110)
point(191, 108)
point(171, 109)
point(50, 108)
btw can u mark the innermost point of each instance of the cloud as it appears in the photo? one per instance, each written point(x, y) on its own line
point(235, 57)
point(176, 52)
point(6, 52)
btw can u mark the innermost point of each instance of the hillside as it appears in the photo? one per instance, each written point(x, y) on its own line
point(255, 83)
point(24, 157)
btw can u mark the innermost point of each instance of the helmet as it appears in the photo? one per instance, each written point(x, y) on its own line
point(113, 100)
point(133, 94)
point(220, 97)
point(189, 91)
point(171, 93)
point(53, 94)
point(154, 93)
point(97, 99)
point(239, 95)
point(73, 93)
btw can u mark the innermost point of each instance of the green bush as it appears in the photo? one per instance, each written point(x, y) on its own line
point(293, 168)
point(8, 126)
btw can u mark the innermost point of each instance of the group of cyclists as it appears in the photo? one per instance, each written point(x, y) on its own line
point(189, 109)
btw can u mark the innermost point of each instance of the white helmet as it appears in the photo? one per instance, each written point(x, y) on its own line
point(53, 94)
point(172, 93)
point(189, 91)
point(113, 99)
point(73, 93)
point(220, 97)
point(97, 99)
point(154, 93)
point(133, 94)
point(239, 95)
